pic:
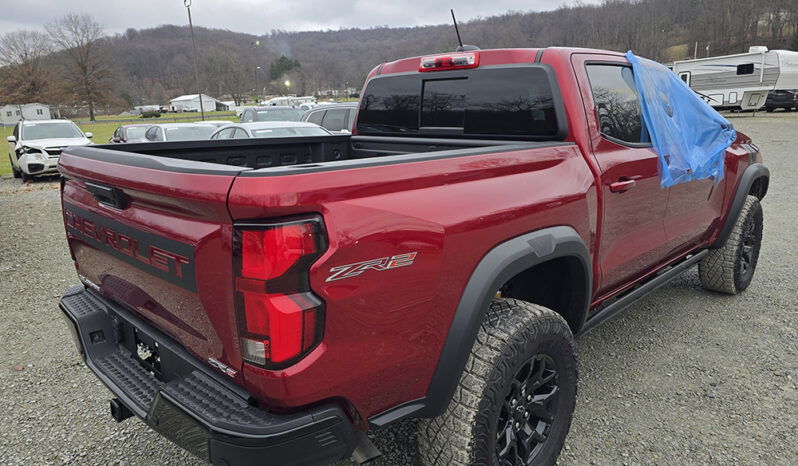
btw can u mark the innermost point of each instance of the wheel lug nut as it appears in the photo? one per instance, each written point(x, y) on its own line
point(529, 398)
point(513, 402)
point(517, 425)
point(526, 415)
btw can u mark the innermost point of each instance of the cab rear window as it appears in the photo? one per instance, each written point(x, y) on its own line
point(511, 102)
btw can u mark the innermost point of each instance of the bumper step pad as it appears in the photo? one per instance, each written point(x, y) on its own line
point(196, 410)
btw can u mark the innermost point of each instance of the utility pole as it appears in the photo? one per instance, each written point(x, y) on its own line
point(257, 82)
point(187, 3)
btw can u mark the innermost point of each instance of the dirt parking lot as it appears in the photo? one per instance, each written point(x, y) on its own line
point(684, 376)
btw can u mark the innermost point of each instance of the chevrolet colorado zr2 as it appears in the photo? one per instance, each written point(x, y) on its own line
point(267, 301)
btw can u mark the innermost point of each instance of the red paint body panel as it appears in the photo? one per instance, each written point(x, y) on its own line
point(384, 329)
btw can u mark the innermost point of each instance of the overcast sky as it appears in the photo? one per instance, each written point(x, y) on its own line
point(261, 16)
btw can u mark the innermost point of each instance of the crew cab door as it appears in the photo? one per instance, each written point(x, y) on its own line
point(631, 239)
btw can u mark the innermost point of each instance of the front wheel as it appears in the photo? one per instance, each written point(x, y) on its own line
point(16, 171)
point(730, 269)
point(516, 396)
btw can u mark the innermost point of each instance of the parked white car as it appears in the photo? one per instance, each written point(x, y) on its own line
point(269, 129)
point(36, 145)
point(164, 132)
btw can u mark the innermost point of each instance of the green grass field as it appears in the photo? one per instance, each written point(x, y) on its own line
point(102, 132)
point(167, 116)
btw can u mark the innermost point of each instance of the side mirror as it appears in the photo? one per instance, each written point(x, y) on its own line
point(89, 135)
point(11, 139)
point(114, 139)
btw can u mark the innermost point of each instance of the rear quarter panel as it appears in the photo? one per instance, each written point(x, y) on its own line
point(384, 329)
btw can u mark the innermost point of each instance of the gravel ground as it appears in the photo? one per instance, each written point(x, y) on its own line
point(685, 376)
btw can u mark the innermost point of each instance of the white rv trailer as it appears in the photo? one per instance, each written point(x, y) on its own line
point(740, 81)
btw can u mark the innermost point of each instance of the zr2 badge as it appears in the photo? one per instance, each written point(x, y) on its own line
point(383, 263)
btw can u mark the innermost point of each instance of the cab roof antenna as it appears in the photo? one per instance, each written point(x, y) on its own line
point(461, 47)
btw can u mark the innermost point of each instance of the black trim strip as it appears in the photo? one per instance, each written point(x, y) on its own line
point(630, 297)
point(751, 174)
point(153, 162)
point(398, 159)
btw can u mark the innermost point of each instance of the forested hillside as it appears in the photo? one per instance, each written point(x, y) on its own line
point(154, 65)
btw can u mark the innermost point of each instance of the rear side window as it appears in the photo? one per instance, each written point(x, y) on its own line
point(335, 119)
point(514, 101)
point(316, 117)
point(617, 103)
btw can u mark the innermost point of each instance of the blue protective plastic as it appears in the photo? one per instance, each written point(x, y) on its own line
point(689, 135)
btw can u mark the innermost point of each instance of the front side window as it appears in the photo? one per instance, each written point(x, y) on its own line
point(153, 134)
point(135, 132)
point(617, 103)
point(226, 133)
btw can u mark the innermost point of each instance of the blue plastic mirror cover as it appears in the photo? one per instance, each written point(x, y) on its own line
point(689, 136)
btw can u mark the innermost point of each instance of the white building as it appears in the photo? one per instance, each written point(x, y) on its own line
point(11, 114)
point(191, 103)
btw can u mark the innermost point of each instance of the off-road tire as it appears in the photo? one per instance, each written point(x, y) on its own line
point(512, 334)
point(729, 269)
point(17, 173)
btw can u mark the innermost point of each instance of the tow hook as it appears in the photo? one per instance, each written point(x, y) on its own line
point(119, 411)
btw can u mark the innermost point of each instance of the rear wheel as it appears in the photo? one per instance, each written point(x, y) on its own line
point(515, 399)
point(730, 269)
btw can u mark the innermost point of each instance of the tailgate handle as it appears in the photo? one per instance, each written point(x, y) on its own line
point(112, 197)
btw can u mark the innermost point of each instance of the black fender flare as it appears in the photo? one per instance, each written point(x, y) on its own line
point(752, 173)
point(498, 266)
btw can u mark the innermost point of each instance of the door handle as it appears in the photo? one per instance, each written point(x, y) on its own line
point(622, 185)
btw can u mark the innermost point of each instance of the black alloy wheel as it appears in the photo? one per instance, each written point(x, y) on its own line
point(527, 414)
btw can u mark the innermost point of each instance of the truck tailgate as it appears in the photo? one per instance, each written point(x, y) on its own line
point(155, 237)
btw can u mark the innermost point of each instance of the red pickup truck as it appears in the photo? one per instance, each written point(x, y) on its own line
point(270, 300)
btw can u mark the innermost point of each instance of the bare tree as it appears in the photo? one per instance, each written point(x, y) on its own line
point(227, 70)
point(80, 36)
point(22, 53)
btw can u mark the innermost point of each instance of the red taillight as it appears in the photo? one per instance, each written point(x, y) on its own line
point(280, 319)
point(452, 61)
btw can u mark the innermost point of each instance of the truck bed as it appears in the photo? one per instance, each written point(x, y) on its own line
point(249, 157)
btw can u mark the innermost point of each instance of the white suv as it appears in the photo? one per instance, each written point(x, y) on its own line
point(36, 145)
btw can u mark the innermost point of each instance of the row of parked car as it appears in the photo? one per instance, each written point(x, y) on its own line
point(256, 122)
point(35, 145)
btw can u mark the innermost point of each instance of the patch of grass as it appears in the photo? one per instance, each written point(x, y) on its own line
point(5, 164)
point(214, 115)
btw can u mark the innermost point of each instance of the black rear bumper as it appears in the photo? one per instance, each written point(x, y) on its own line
point(190, 404)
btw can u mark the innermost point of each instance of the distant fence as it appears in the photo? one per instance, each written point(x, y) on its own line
point(154, 120)
point(133, 121)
